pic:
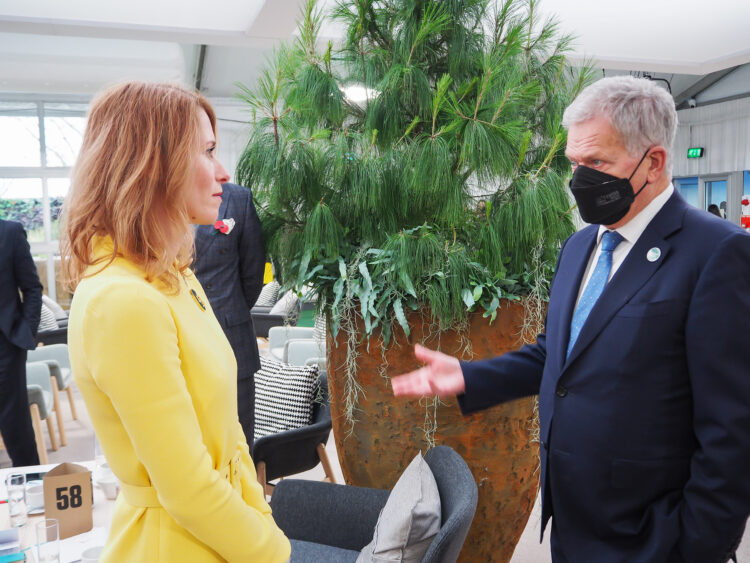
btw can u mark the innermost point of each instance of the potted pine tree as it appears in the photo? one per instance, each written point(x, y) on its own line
point(429, 210)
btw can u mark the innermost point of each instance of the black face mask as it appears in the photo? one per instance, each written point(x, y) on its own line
point(603, 199)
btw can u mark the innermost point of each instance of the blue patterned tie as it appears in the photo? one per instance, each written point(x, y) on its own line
point(595, 287)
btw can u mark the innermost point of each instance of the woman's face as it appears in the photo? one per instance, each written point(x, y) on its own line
point(204, 198)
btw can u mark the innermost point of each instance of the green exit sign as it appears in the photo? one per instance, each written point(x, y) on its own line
point(695, 152)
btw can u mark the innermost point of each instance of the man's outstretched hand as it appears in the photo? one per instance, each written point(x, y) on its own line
point(441, 376)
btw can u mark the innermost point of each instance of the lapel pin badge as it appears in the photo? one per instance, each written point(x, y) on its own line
point(653, 254)
point(197, 299)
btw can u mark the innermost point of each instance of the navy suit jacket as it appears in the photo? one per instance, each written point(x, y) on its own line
point(18, 319)
point(230, 268)
point(645, 427)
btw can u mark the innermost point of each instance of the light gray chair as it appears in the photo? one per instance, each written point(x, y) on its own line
point(39, 388)
point(299, 346)
point(56, 356)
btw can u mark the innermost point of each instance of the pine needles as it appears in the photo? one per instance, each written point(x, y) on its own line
point(443, 190)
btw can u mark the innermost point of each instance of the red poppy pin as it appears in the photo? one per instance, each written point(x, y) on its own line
point(224, 226)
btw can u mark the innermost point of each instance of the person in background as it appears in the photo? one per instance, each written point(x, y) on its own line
point(714, 209)
point(642, 372)
point(20, 309)
point(229, 263)
point(153, 366)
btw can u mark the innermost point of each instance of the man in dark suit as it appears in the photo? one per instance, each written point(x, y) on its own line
point(229, 262)
point(642, 374)
point(19, 319)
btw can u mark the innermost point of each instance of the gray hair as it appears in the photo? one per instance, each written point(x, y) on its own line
point(642, 113)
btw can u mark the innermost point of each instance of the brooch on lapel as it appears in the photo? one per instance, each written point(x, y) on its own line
point(197, 299)
point(223, 226)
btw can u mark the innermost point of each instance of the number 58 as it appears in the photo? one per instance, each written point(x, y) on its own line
point(67, 500)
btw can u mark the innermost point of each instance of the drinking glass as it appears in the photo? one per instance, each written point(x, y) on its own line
point(48, 541)
point(16, 485)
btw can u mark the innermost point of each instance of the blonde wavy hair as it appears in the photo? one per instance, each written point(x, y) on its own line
point(131, 180)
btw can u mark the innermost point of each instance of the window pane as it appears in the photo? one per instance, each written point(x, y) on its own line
point(18, 108)
point(19, 141)
point(688, 187)
point(65, 110)
point(58, 189)
point(21, 200)
point(716, 194)
point(63, 137)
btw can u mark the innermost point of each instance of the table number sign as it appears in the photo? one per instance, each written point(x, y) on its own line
point(68, 496)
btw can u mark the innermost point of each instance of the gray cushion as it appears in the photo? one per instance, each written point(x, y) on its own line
point(409, 520)
point(283, 396)
point(287, 305)
point(308, 552)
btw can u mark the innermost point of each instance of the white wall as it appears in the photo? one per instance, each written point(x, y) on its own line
point(723, 129)
point(233, 131)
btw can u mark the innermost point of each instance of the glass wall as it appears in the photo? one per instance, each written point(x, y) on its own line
point(716, 194)
point(688, 187)
point(39, 142)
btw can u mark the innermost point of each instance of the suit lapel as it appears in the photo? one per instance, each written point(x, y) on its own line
point(206, 233)
point(569, 279)
point(634, 272)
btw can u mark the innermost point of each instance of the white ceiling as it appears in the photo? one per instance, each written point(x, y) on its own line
point(683, 36)
point(49, 44)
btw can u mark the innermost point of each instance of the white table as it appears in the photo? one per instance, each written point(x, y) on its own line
point(71, 547)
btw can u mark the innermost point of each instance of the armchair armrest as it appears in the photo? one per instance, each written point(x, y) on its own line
point(55, 371)
point(304, 434)
point(36, 395)
point(336, 515)
point(49, 337)
point(38, 373)
point(57, 352)
point(264, 321)
point(278, 335)
point(299, 349)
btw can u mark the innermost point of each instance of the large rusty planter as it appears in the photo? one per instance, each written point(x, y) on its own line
point(496, 443)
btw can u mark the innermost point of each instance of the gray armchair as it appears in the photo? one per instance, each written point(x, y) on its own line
point(332, 523)
point(39, 388)
point(56, 357)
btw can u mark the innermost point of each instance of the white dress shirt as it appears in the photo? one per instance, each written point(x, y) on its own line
point(630, 232)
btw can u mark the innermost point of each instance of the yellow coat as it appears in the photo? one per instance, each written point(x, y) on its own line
point(160, 384)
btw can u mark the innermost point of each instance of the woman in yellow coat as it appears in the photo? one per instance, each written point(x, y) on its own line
point(151, 361)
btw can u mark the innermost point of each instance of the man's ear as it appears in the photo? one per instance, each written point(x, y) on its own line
point(657, 161)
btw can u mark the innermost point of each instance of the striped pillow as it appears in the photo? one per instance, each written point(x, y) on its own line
point(283, 396)
point(268, 295)
point(47, 320)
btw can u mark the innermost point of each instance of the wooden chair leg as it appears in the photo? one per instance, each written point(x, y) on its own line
point(323, 455)
point(36, 422)
point(58, 411)
point(69, 390)
point(260, 470)
point(52, 435)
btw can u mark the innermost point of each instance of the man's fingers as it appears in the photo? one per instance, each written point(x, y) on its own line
point(413, 384)
point(426, 355)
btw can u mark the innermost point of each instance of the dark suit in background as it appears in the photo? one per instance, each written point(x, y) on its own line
point(230, 268)
point(645, 427)
point(18, 324)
